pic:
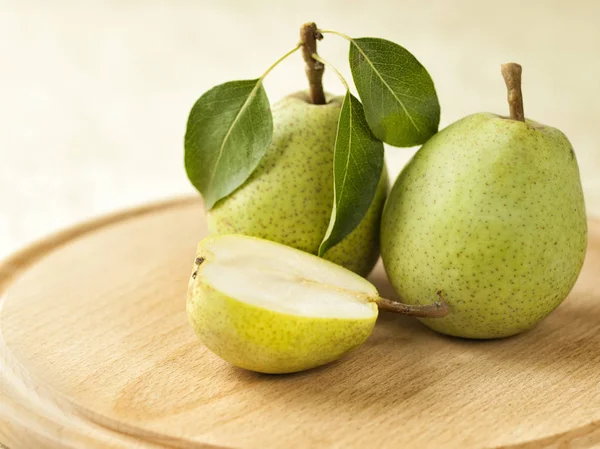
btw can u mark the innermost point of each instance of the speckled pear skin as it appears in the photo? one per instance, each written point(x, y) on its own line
point(490, 212)
point(266, 341)
point(289, 197)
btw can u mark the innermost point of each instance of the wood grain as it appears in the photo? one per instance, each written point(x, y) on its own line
point(95, 352)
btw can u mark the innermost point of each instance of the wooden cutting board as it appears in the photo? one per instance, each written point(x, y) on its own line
point(96, 352)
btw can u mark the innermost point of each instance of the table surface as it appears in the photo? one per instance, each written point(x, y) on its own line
point(95, 95)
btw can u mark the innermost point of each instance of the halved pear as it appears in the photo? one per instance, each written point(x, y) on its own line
point(271, 308)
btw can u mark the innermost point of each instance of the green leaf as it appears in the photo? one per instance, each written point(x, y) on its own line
point(357, 167)
point(228, 132)
point(400, 102)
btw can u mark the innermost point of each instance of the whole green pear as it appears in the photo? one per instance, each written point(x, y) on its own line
point(489, 216)
point(289, 197)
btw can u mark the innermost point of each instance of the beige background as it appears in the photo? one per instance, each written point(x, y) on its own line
point(94, 95)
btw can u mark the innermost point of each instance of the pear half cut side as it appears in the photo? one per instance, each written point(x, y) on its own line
point(270, 308)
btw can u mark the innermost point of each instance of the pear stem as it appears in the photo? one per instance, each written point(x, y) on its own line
point(437, 309)
point(309, 34)
point(512, 77)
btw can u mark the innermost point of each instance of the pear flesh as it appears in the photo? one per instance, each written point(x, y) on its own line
point(289, 197)
point(270, 308)
point(489, 213)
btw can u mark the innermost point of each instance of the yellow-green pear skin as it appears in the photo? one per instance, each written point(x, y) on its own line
point(264, 340)
point(289, 197)
point(269, 342)
point(490, 214)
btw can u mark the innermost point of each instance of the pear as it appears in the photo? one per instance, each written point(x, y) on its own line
point(270, 308)
point(489, 216)
point(289, 197)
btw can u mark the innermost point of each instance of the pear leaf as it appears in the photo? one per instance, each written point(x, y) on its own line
point(357, 167)
point(398, 94)
point(228, 132)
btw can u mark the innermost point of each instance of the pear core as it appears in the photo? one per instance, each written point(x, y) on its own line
point(284, 281)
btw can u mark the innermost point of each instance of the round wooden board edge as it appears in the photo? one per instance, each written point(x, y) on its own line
point(23, 258)
point(18, 421)
point(11, 267)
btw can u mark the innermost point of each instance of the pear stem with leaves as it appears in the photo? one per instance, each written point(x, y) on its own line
point(309, 34)
point(512, 77)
